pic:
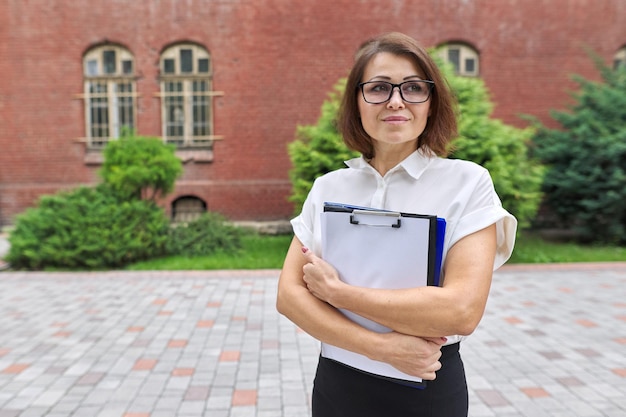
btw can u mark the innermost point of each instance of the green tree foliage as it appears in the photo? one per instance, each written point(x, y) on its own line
point(137, 164)
point(318, 149)
point(501, 148)
point(87, 228)
point(586, 182)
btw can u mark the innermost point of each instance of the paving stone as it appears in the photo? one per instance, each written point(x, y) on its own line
point(198, 343)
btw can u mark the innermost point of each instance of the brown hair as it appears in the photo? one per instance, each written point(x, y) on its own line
point(441, 126)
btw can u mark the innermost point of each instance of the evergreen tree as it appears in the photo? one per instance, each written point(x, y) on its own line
point(586, 183)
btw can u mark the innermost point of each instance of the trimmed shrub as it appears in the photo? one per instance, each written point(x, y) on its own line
point(87, 228)
point(140, 166)
point(208, 234)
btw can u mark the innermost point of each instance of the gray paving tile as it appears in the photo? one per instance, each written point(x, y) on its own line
point(552, 343)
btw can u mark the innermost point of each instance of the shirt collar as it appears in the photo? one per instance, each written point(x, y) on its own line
point(414, 164)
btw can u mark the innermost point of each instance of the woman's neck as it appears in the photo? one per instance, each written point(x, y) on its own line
point(386, 159)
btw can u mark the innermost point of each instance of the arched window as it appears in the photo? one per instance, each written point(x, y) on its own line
point(109, 93)
point(187, 208)
point(186, 92)
point(619, 59)
point(463, 58)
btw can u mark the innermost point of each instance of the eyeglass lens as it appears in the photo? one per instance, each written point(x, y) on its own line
point(376, 92)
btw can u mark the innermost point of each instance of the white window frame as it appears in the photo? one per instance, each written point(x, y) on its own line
point(187, 97)
point(109, 94)
point(465, 54)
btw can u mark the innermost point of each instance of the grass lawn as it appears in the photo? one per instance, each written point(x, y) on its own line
point(267, 252)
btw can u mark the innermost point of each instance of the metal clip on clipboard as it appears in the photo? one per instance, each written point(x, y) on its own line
point(385, 214)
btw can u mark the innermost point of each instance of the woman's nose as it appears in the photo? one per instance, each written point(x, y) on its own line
point(395, 100)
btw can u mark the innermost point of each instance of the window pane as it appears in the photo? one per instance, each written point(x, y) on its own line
point(200, 112)
point(454, 59)
point(186, 60)
point(92, 68)
point(175, 113)
point(127, 67)
point(99, 112)
point(108, 58)
point(168, 66)
point(203, 65)
point(470, 65)
point(125, 106)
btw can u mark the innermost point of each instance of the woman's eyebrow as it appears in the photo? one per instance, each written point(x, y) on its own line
point(387, 78)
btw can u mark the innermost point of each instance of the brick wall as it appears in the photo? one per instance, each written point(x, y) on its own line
point(275, 61)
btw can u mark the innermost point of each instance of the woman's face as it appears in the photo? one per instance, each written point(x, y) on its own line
point(394, 124)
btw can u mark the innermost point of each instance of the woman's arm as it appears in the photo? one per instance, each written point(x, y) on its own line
point(409, 354)
point(455, 308)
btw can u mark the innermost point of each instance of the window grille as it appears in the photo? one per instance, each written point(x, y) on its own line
point(187, 97)
point(109, 94)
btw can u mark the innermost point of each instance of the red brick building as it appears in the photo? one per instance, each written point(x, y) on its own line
point(228, 81)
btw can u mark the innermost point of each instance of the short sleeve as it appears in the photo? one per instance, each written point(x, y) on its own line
point(486, 209)
point(304, 224)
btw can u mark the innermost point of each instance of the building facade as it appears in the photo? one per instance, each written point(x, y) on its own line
point(228, 81)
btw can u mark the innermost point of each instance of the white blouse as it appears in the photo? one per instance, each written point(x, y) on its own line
point(460, 191)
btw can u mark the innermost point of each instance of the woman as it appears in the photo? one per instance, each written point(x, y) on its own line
point(398, 113)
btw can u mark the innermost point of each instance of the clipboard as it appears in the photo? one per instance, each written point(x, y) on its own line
point(380, 249)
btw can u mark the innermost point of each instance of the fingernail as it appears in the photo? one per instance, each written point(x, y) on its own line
point(305, 249)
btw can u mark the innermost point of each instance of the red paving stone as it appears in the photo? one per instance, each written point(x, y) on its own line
point(214, 304)
point(183, 371)
point(16, 368)
point(535, 392)
point(620, 372)
point(160, 301)
point(205, 323)
point(135, 329)
point(244, 397)
point(4, 352)
point(136, 415)
point(177, 343)
point(230, 356)
point(586, 323)
point(513, 320)
point(144, 364)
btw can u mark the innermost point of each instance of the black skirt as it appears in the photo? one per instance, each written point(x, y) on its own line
point(340, 391)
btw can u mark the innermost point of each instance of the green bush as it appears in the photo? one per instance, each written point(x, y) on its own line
point(318, 149)
point(138, 166)
point(501, 148)
point(87, 228)
point(586, 183)
point(208, 234)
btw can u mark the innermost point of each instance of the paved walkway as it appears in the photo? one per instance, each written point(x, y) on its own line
point(164, 344)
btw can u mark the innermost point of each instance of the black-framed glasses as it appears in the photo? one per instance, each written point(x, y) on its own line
point(413, 91)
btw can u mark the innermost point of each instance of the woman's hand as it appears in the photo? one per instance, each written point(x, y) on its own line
point(412, 355)
point(320, 277)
